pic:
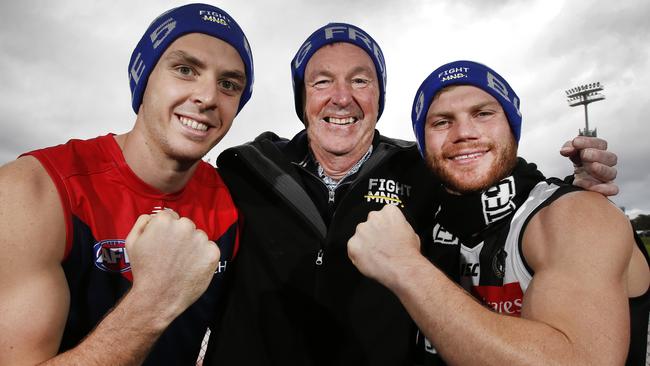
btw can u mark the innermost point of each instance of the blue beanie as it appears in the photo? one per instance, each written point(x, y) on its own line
point(464, 73)
point(191, 18)
point(334, 33)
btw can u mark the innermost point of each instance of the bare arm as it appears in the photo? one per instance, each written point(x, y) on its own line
point(34, 292)
point(571, 315)
point(593, 165)
point(34, 296)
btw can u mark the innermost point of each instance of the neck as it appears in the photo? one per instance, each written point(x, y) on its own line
point(337, 166)
point(152, 165)
point(467, 214)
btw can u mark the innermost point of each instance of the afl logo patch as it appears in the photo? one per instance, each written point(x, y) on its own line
point(111, 256)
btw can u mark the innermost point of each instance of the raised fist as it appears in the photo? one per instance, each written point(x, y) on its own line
point(383, 245)
point(171, 260)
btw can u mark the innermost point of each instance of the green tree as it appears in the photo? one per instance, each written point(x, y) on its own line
point(641, 222)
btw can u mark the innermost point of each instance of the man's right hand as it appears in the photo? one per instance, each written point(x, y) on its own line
point(594, 165)
point(171, 260)
point(384, 246)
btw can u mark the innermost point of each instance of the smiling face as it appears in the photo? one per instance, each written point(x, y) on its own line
point(341, 101)
point(191, 98)
point(469, 144)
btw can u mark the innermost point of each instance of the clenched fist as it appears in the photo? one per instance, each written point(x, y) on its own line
point(385, 246)
point(171, 260)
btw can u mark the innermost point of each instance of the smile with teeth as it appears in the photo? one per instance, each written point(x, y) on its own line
point(188, 122)
point(470, 156)
point(340, 121)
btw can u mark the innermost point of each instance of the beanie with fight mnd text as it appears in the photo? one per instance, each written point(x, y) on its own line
point(169, 26)
point(334, 33)
point(464, 73)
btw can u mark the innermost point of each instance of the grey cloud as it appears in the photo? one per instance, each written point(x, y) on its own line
point(64, 68)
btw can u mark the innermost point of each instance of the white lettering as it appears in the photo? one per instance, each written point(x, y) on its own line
point(300, 57)
point(453, 70)
point(442, 236)
point(390, 185)
point(380, 56)
point(515, 102)
point(505, 307)
point(353, 34)
point(419, 105)
point(497, 85)
point(137, 68)
point(159, 34)
point(221, 267)
point(497, 200)
point(429, 347)
point(452, 77)
point(330, 31)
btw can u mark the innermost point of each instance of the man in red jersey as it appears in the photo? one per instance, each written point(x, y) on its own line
point(108, 245)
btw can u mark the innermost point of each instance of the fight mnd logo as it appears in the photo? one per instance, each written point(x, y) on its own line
point(111, 256)
point(387, 191)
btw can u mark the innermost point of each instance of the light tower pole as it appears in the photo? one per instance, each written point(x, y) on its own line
point(583, 95)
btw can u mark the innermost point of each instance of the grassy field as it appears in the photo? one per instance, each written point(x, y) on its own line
point(646, 241)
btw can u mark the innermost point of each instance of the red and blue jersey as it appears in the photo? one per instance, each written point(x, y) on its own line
point(102, 198)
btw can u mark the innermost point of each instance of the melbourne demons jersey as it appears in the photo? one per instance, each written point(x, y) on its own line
point(102, 198)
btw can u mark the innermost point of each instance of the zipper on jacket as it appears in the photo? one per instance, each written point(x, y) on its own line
point(319, 257)
point(332, 194)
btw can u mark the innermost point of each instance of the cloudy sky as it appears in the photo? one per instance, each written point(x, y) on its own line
point(64, 68)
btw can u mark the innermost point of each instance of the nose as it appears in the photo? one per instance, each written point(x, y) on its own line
point(464, 128)
point(205, 94)
point(342, 94)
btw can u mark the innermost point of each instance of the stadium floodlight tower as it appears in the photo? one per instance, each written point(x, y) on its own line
point(583, 95)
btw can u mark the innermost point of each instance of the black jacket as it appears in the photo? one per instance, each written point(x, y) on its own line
point(295, 298)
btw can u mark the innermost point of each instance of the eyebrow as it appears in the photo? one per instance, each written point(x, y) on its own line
point(185, 58)
point(480, 105)
point(328, 73)
point(488, 103)
point(235, 74)
point(359, 69)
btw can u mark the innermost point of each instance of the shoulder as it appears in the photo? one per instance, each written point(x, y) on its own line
point(404, 157)
point(397, 143)
point(207, 185)
point(262, 142)
point(579, 225)
point(31, 209)
point(79, 156)
point(269, 137)
point(265, 149)
point(27, 175)
point(582, 211)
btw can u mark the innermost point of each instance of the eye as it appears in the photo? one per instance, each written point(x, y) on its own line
point(229, 85)
point(484, 113)
point(321, 83)
point(185, 70)
point(360, 82)
point(440, 124)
